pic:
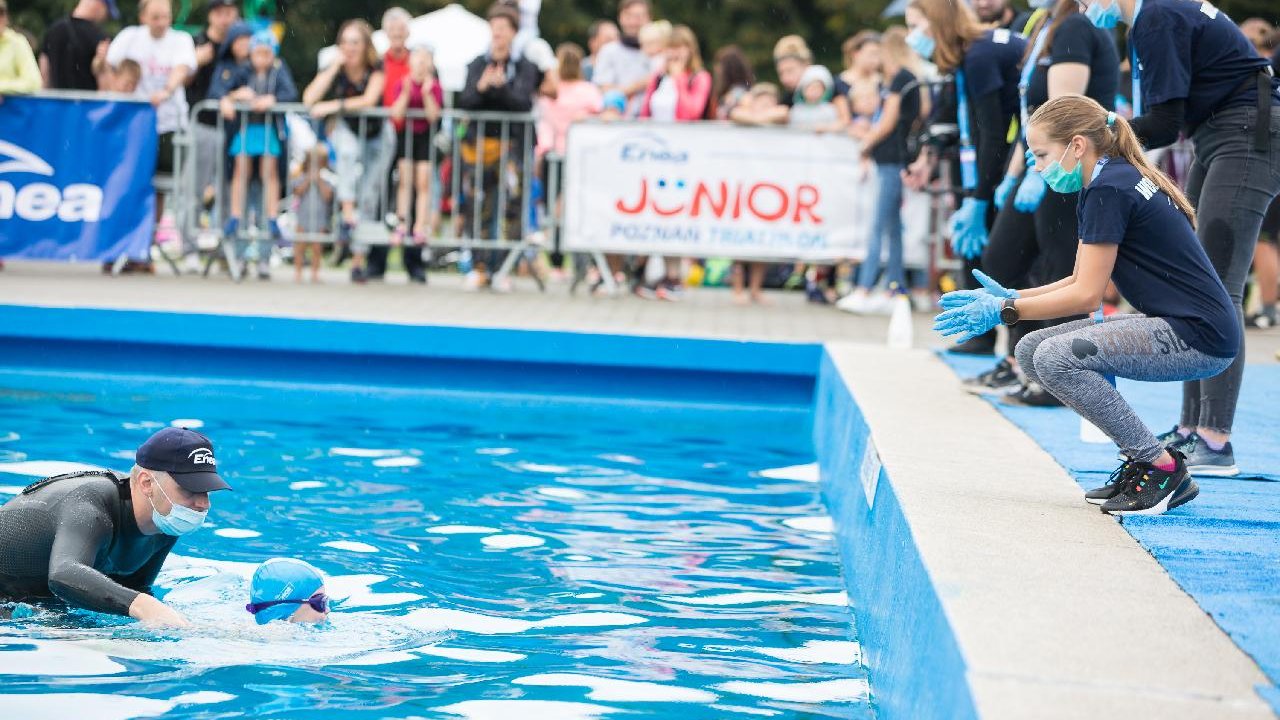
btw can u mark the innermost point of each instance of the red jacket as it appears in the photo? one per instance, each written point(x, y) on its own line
point(692, 95)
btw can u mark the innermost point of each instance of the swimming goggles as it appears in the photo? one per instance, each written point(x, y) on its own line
point(318, 602)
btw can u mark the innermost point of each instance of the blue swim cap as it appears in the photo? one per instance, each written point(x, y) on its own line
point(282, 579)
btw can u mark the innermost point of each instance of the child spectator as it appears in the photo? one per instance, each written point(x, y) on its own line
point(813, 109)
point(759, 107)
point(420, 90)
point(125, 78)
point(314, 194)
point(654, 39)
point(261, 84)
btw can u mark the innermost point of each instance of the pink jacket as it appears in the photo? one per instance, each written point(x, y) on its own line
point(575, 100)
point(692, 95)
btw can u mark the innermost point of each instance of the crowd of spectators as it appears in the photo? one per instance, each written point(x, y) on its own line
point(379, 170)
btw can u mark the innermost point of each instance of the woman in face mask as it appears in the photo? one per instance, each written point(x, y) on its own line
point(1194, 72)
point(984, 64)
point(1137, 230)
point(1035, 233)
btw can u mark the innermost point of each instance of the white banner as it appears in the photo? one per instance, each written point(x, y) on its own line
point(712, 190)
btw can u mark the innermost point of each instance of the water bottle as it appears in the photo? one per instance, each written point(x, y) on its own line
point(901, 329)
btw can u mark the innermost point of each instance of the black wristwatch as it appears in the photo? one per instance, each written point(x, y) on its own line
point(1009, 313)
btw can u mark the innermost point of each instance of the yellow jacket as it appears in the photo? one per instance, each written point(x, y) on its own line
point(19, 73)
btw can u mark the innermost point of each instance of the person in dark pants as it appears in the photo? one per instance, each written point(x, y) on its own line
point(1195, 73)
point(985, 64)
point(97, 540)
point(1034, 237)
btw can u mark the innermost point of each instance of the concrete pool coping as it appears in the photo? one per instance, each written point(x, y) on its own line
point(1057, 612)
point(989, 604)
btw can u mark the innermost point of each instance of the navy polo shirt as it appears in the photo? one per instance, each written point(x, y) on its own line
point(1191, 50)
point(1076, 40)
point(1161, 268)
point(991, 63)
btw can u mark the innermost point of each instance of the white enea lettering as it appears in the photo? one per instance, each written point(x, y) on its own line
point(42, 201)
point(1147, 188)
point(1210, 11)
point(1000, 36)
point(202, 456)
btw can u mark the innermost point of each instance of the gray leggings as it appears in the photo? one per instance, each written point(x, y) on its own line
point(1073, 361)
point(1231, 184)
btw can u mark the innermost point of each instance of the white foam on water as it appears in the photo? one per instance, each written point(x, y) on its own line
point(441, 619)
point(739, 710)
point(306, 485)
point(413, 546)
point(835, 652)
point(364, 452)
point(144, 425)
point(588, 595)
point(815, 523)
point(11, 489)
point(496, 451)
point(471, 654)
point(31, 706)
point(627, 459)
point(562, 493)
point(511, 542)
point(384, 657)
point(400, 461)
point(462, 530)
point(356, 591)
point(236, 533)
point(754, 598)
point(579, 558)
point(50, 657)
point(189, 423)
point(843, 690)
point(45, 468)
point(350, 545)
point(788, 563)
point(10, 436)
point(799, 473)
point(611, 690)
point(539, 468)
point(525, 710)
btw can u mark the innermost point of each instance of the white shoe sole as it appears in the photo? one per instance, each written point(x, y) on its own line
point(1213, 470)
point(1159, 508)
point(1095, 501)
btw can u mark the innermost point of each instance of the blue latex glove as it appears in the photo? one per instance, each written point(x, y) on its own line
point(1005, 187)
point(960, 298)
point(1030, 192)
point(969, 228)
point(994, 287)
point(970, 320)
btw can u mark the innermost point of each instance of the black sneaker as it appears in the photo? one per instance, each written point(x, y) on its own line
point(1031, 395)
point(1152, 491)
point(1171, 438)
point(1115, 484)
point(998, 377)
point(1204, 461)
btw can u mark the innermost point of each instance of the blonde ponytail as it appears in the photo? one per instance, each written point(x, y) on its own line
point(1066, 116)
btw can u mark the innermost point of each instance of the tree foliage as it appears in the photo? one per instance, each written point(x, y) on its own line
point(753, 25)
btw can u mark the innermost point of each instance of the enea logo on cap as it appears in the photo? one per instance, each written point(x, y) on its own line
point(202, 456)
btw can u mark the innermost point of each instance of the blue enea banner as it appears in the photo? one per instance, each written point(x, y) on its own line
point(75, 178)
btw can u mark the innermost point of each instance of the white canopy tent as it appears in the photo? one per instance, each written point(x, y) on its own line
point(454, 35)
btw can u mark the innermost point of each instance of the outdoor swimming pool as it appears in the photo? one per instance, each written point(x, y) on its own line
point(495, 555)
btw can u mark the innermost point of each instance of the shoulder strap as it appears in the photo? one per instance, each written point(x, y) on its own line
point(122, 485)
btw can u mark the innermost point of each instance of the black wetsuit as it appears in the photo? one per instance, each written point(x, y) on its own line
point(74, 537)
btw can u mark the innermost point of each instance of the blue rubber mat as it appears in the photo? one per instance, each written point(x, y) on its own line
point(1223, 548)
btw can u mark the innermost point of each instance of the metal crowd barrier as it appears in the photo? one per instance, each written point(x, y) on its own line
point(480, 217)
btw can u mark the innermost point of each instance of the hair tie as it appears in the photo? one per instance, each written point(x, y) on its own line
point(1111, 119)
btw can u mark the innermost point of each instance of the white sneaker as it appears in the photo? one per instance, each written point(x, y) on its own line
point(471, 281)
point(855, 302)
point(191, 264)
point(880, 304)
point(922, 301)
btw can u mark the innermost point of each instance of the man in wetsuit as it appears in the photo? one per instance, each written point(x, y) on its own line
point(96, 539)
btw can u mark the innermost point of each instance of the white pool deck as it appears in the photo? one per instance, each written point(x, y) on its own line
point(1058, 612)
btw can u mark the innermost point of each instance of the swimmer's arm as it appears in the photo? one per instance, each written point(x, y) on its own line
point(1083, 294)
point(82, 532)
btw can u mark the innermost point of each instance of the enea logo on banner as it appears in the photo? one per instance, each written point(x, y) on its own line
point(648, 147)
point(40, 201)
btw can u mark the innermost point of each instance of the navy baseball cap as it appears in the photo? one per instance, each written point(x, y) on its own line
point(186, 455)
point(221, 3)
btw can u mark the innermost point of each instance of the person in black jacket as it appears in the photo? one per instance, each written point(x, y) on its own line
point(97, 540)
point(984, 64)
point(497, 81)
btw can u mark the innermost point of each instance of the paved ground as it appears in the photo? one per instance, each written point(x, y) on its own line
point(706, 312)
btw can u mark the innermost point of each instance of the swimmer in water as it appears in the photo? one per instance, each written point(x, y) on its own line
point(287, 589)
point(96, 539)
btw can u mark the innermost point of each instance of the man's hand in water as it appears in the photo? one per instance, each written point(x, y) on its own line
point(153, 613)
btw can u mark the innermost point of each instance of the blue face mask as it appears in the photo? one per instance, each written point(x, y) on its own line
point(180, 520)
point(922, 44)
point(1103, 17)
point(1061, 180)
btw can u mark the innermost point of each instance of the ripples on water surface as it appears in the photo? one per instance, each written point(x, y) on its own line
point(494, 557)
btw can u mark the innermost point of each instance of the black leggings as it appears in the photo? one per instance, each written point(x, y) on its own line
point(1033, 249)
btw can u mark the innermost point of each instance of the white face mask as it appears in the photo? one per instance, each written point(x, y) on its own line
point(180, 520)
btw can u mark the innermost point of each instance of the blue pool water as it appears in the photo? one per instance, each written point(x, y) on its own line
point(495, 556)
